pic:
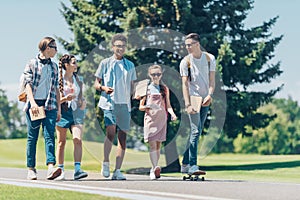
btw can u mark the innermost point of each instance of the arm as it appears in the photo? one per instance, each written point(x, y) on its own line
point(186, 95)
point(207, 100)
point(142, 106)
point(169, 107)
point(58, 105)
point(98, 86)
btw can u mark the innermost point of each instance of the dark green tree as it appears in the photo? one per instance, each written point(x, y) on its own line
point(11, 122)
point(243, 54)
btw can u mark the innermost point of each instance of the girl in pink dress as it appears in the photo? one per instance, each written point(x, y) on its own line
point(156, 106)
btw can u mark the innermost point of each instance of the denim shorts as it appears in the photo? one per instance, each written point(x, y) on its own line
point(120, 117)
point(70, 118)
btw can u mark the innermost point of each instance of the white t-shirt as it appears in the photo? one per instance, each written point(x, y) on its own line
point(199, 84)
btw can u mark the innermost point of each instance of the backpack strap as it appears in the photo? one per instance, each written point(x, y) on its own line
point(188, 61)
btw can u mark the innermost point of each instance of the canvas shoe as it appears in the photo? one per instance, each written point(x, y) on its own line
point(185, 168)
point(117, 175)
point(53, 173)
point(32, 174)
point(105, 169)
point(152, 175)
point(80, 174)
point(61, 177)
point(193, 169)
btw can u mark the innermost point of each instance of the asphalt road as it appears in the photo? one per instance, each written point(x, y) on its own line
point(166, 188)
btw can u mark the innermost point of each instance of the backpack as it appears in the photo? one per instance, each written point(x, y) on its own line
point(187, 58)
point(22, 89)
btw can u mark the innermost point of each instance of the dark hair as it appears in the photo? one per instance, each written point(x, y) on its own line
point(62, 65)
point(45, 42)
point(193, 36)
point(118, 37)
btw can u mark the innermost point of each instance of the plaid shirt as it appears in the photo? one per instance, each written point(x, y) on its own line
point(32, 76)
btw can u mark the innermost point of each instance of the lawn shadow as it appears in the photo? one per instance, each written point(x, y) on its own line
point(261, 166)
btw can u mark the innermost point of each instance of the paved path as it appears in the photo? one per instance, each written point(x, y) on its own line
point(167, 188)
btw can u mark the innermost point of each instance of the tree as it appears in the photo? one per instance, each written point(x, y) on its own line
point(243, 54)
point(10, 119)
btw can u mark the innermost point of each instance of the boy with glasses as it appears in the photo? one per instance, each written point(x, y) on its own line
point(114, 78)
point(197, 70)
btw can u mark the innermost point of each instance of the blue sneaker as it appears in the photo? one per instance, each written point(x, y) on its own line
point(80, 174)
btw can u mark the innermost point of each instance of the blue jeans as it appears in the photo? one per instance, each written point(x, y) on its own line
point(197, 122)
point(33, 128)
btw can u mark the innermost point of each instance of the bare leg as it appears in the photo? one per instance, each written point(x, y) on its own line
point(110, 135)
point(77, 141)
point(121, 149)
point(61, 142)
point(153, 153)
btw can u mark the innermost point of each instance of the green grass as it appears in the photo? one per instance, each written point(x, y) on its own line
point(14, 192)
point(278, 168)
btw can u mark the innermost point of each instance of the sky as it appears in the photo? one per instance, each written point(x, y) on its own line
point(25, 23)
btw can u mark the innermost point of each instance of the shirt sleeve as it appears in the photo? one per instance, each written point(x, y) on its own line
point(28, 73)
point(212, 62)
point(183, 68)
point(99, 72)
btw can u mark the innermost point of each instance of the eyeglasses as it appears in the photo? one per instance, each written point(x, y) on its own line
point(189, 45)
point(120, 46)
point(54, 47)
point(156, 74)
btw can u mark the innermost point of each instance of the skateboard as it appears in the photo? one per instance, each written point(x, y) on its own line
point(195, 176)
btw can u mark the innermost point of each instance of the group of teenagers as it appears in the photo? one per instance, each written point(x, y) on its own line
point(59, 90)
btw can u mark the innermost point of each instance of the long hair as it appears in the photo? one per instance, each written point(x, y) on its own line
point(66, 59)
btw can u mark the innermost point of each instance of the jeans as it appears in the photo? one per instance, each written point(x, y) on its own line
point(33, 128)
point(197, 122)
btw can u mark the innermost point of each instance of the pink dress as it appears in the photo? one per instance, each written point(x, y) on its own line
point(155, 120)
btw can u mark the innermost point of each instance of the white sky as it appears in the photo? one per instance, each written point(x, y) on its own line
point(24, 23)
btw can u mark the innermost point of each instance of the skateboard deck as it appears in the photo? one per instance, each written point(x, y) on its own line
point(195, 176)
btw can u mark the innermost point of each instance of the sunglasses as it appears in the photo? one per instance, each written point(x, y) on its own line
point(189, 45)
point(120, 46)
point(53, 47)
point(156, 74)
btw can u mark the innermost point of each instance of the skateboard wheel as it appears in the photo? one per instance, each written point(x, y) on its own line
point(184, 178)
point(202, 178)
point(191, 178)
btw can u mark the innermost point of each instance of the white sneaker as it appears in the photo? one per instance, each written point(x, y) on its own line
point(53, 173)
point(185, 168)
point(193, 169)
point(61, 177)
point(118, 175)
point(32, 174)
point(152, 175)
point(105, 169)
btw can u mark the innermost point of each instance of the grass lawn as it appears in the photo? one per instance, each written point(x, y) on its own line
point(275, 168)
point(14, 192)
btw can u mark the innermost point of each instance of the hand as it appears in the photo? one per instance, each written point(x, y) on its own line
point(34, 108)
point(107, 90)
point(190, 110)
point(173, 117)
point(83, 105)
point(70, 97)
point(207, 100)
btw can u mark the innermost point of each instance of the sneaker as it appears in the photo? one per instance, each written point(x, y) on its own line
point(185, 168)
point(80, 174)
point(53, 173)
point(105, 169)
point(193, 169)
point(61, 177)
point(118, 175)
point(152, 175)
point(32, 174)
point(157, 170)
